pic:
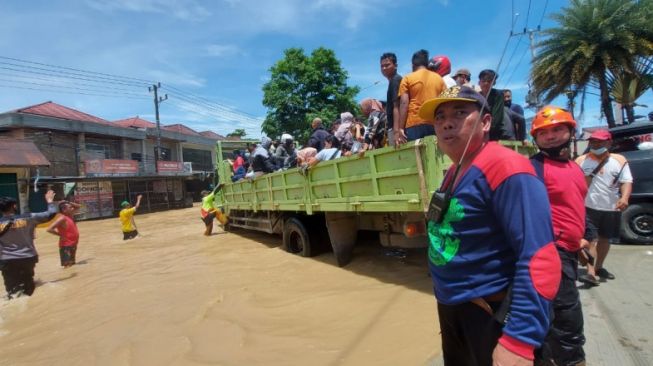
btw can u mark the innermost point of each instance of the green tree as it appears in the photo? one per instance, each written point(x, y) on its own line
point(592, 38)
point(239, 132)
point(626, 87)
point(303, 87)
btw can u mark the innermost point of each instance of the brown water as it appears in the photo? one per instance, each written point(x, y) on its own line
point(175, 297)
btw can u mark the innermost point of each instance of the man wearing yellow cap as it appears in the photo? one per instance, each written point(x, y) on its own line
point(494, 267)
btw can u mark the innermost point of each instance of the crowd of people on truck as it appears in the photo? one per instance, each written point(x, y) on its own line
point(390, 123)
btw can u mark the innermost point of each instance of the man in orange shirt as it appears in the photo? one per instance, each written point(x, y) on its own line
point(416, 88)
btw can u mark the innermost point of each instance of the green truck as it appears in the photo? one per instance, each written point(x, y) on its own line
point(385, 191)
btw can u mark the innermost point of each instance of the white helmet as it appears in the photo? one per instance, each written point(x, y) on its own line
point(285, 137)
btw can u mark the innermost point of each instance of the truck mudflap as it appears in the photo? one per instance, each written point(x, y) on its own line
point(343, 231)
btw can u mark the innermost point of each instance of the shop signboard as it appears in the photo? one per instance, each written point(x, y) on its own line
point(96, 199)
point(164, 167)
point(103, 167)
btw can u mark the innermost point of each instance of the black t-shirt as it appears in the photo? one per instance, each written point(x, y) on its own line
point(499, 129)
point(393, 90)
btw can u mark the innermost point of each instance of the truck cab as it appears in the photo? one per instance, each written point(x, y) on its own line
point(635, 143)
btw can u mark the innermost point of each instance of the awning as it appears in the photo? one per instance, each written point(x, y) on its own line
point(19, 153)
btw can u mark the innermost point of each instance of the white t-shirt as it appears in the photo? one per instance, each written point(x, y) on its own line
point(449, 81)
point(603, 193)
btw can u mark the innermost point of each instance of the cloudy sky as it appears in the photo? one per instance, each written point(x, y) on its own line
point(212, 57)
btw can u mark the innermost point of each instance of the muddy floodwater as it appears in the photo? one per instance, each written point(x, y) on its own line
point(176, 297)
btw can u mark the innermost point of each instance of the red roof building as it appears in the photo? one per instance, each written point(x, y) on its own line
point(54, 110)
point(182, 129)
point(135, 122)
point(212, 135)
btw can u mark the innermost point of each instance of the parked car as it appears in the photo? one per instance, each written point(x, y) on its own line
point(635, 142)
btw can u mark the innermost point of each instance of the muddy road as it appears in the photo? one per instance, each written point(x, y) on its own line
point(175, 297)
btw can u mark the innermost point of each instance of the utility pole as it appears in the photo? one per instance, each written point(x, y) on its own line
point(532, 99)
point(157, 100)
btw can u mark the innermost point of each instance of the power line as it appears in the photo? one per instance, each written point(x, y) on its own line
point(187, 104)
point(62, 74)
point(512, 55)
point(543, 12)
point(208, 113)
point(223, 112)
point(528, 13)
point(61, 81)
point(70, 92)
point(73, 69)
point(514, 70)
point(49, 73)
point(208, 102)
point(66, 87)
point(512, 33)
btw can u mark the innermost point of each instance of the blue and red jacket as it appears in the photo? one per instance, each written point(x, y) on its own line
point(566, 187)
point(497, 232)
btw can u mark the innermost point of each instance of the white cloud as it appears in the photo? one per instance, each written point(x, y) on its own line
point(177, 78)
point(220, 50)
point(182, 9)
point(220, 118)
point(354, 12)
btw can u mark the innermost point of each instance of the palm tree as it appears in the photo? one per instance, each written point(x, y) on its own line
point(626, 87)
point(592, 37)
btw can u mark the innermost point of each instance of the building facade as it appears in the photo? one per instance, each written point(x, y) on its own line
point(99, 163)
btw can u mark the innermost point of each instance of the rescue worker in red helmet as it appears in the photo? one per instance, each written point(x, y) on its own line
point(441, 65)
point(552, 131)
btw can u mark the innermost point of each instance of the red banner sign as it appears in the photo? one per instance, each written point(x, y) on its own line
point(111, 166)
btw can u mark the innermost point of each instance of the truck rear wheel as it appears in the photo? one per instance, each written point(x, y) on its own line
point(295, 238)
point(637, 223)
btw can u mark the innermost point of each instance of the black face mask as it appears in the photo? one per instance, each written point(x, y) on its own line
point(560, 152)
point(507, 103)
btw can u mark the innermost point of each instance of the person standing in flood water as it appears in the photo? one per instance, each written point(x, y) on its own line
point(127, 218)
point(66, 229)
point(495, 269)
point(208, 212)
point(18, 255)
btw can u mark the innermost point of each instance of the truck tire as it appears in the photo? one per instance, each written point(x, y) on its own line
point(637, 223)
point(296, 239)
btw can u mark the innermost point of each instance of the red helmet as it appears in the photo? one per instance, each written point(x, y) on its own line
point(551, 115)
point(440, 64)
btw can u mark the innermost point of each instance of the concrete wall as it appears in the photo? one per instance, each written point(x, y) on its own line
point(59, 148)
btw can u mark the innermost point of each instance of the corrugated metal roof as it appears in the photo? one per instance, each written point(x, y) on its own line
point(20, 153)
point(135, 122)
point(50, 109)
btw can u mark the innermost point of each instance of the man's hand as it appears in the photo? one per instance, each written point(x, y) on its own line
point(585, 244)
point(622, 203)
point(49, 196)
point(502, 357)
point(400, 136)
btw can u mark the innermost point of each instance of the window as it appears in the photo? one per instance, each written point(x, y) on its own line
point(166, 154)
point(201, 159)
